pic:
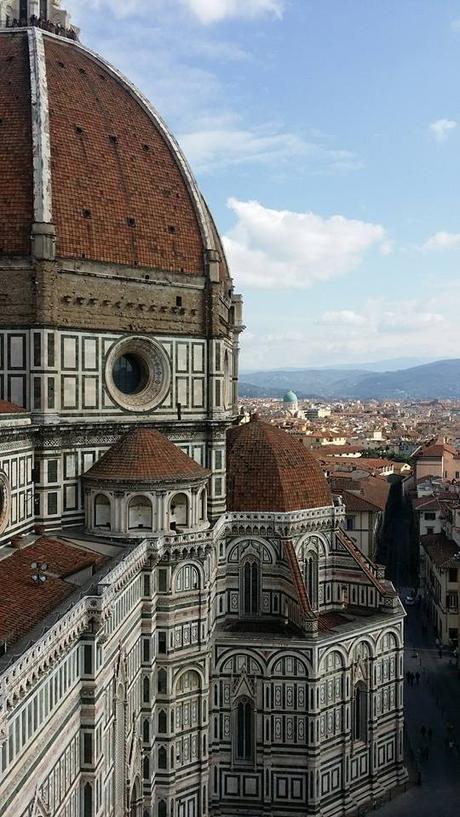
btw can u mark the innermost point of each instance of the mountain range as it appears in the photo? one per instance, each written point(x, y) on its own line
point(434, 380)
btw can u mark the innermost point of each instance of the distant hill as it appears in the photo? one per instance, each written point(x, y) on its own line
point(429, 381)
point(433, 380)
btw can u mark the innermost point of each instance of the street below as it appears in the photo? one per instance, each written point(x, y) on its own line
point(433, 758)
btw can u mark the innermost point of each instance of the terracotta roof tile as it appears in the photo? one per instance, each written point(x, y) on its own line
point(438, 450)
point(441, 550)
point(146, 455)
point(269, 470)
point(356, 502)
point(16, 208)
point(119, 167)
point(22, 603)
point(11, 408)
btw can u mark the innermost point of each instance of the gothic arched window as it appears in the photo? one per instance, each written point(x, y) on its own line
point(162, 758)
point(311, 578)
point(162, 722)
point(146, 768)
point(162, 681)
point(244, 730)
point(162, 812)
point(87, 800)
point(250, 587)
point(360, 712)
point(146, 731)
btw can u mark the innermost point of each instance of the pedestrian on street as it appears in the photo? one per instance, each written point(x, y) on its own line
point(408, 677)
point(423, 731)
point(440, 652)
point(417, 677)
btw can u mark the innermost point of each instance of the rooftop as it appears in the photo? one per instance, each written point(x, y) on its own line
point(23, 603)
point(441, 550)
point(144, 454)
point(272, 471)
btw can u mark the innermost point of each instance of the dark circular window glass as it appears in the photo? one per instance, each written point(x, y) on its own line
point(129, 374)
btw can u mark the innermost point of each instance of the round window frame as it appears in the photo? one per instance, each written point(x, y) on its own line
point(5, 511)
point(156, 387)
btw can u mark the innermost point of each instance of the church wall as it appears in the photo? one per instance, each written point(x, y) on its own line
point(16, 464)
point(53, 372)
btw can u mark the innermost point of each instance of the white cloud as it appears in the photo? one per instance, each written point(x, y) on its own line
point(442, 241)
point(281, 249)
point(206, 11)
point(379, 329)
point(442, 128)
point(341, 317)
point(213, 11)
point(224, 143)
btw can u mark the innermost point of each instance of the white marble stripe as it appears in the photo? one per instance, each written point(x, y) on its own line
point(40, 128)
point(160, 124)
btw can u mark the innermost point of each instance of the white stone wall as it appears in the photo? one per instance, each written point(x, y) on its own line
point(63, 373)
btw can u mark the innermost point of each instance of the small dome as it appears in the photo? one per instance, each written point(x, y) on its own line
point(290, 397)
point(145, 455)
point(271, 471)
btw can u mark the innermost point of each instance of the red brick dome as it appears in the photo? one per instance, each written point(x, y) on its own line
point(80, 143)
point(268, 470)
point(145, 455)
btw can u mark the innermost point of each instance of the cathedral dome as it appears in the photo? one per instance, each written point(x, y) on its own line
point(81, 150)
point(145, 455)
point(269, 470)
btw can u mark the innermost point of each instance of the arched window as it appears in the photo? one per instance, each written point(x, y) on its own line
point(162, 681)
point(188, 682)
point(146, 731)
point(179, 512)
point(360, 712)
point(162, 758)
point(87, 800)
point(140, 516)
point(102, 512)
point(146, 768)
point(187, 578)
point(227, 384)
point(244, 730)
point(146, 690)
point(250, 587)
point(203, 505)
point(162, 811)
point(162, 722)
point(311, 578)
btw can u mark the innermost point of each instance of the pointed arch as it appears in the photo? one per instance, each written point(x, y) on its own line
point(244, 732)
point(250, 586)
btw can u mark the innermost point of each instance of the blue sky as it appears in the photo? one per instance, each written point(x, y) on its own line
point(325, 135)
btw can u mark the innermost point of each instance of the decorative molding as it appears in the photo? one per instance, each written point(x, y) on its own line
point(40, 128)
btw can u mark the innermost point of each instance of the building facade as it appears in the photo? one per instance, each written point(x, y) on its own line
point(188, 629)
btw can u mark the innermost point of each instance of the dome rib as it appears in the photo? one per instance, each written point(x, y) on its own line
point(271, 471)
point(145, 455)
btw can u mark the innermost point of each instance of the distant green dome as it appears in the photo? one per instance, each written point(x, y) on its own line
point(290, 397)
